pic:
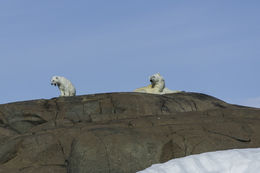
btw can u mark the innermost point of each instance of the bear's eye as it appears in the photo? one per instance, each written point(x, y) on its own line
point(56, 77)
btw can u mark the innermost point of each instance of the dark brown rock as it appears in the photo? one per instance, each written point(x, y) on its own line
point(119, 132)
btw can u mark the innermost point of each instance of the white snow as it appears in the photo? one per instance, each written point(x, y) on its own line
point(228, 161)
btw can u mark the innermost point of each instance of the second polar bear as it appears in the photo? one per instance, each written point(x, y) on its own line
point(65, 86)
point(157, 86)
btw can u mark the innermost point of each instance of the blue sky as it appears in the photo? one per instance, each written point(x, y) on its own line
point(113, 46)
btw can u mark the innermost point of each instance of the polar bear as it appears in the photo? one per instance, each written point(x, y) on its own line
point(157, 86)
point(65, 86)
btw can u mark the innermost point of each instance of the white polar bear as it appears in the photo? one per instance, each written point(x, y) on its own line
point(157, 86)
point(65, 86)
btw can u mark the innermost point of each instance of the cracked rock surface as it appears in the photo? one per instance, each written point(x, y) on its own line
point(119, 132)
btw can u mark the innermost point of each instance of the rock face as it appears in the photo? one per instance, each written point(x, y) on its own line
point(119, 132)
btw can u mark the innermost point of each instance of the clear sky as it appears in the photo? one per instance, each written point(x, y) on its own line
point(211, 47)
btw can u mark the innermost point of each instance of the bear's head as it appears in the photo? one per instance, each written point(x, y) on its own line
point(157, 81)
point(55, 81)
point(156, 78)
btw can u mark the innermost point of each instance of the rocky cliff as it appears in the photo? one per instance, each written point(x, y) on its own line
point(119, 132)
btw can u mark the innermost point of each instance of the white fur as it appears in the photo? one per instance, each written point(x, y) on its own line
point(157, 86)
point(168, 91)
point(65, 86)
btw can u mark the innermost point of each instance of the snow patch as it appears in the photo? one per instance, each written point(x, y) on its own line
point(228, 161)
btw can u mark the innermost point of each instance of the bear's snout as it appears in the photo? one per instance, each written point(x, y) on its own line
point(152, 79)
point(52, 83)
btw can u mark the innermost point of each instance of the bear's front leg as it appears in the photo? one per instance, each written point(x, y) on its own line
point(62, 93)
point(66, 93)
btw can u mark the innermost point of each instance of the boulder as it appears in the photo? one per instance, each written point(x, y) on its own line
point(119, 132)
